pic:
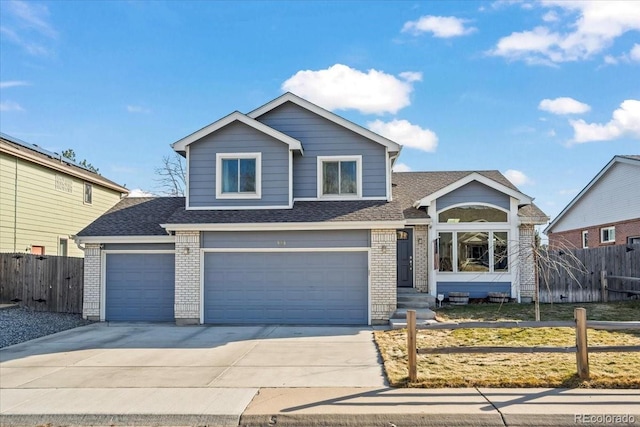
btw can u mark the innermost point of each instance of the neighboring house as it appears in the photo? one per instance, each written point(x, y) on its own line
point(46, 199)
point(292, 215)
point(606, 212)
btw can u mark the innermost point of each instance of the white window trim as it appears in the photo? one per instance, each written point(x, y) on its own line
point(458, 205)
point(60, 239)
point(609, 229)
point(585, 238)
point(225, 156)
point(511, 252)
point(84, 193)
point(357, 159)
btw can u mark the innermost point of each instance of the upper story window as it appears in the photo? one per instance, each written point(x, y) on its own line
point(472, 213)
point(339, 176)
point(585, 239)
point(88, 193)
point(608, 235)
point(238, 175)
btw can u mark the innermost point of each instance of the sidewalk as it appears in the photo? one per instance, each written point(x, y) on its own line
point(319, 407)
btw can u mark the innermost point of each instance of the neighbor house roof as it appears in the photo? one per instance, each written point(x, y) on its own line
point(409, 187)
point(633, 159)
point(32, 153)
point(181, 145)
point(290, 97)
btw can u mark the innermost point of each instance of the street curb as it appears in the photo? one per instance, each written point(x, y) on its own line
point(371, 420)
point(217, 420)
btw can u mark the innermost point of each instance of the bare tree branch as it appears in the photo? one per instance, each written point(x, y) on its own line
point(172, 176)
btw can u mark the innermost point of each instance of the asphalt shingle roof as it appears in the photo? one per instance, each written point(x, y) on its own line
point(142, 216)
point(360, 210)
point(135, 216)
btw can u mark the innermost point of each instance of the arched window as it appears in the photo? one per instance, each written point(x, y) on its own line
point(472, 213)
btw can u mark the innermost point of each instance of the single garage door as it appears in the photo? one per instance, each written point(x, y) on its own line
point(140, 287)
point(286, 288)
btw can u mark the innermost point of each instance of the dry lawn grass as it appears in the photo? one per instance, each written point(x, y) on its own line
point(608, 370)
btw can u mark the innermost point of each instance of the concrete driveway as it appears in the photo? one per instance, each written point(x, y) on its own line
point(104, 356)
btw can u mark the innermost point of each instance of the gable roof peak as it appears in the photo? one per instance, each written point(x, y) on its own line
point(181, 145)
point(322, 112)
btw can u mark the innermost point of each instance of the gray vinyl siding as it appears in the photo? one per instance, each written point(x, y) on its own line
point(238, 138)
point(286, 239)
point(614, 197)
point(139, 246)
point(321, 137)
point(474, 192)
point(475, 289)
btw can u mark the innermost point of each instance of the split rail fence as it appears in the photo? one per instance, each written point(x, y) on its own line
point(581, 348)
point(42, 282)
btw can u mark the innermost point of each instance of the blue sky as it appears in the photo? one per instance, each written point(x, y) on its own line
point(546, 92)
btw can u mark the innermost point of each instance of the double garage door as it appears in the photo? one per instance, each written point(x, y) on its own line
point(306, 287)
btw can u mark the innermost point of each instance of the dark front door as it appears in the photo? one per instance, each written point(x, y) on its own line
point(405, 258)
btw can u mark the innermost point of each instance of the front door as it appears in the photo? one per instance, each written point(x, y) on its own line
point(405, 258)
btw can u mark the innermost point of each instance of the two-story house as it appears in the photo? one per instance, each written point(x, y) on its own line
point(293, 215)
point(606, 212)
point(46, 199)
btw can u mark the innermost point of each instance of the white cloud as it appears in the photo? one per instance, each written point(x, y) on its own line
point(140, 193)
point(440, 26)
point(406, 134)
point(401, 167)
point(592, 27)
point(551, 16)
point(340, 87)
point(610, 60)
point(517, 177)
point(625, 121)
point(634, 54)
point(13, 83)
point(27, 25)
point(10, 106)
point(563, 105)
point(137, 109)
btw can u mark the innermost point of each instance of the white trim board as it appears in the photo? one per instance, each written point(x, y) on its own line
point(181, 145)
point(341, 225)
point(124, 239)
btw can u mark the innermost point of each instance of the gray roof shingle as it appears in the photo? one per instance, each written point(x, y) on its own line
point(360, 210)
point(143, 216)
point(135, 216)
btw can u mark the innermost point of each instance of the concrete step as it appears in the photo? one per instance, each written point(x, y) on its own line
point(414, 304)
point(402, 323)
point(424, 297)
point(421, 313)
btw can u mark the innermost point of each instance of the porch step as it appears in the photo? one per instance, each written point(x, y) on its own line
point(424, 316)
point(411, 298)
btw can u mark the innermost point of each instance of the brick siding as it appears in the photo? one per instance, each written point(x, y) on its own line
point(573, 238)
point(383, 274)
point(526, 260)
point(421, 258)
point(92, 281)
point(187, 299)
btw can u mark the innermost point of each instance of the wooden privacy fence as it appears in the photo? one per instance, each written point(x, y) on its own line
point(581, 348)
point(575, 275)
point(43, 283)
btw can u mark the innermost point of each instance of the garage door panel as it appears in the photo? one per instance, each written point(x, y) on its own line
point(140, 287)
point(286, 287)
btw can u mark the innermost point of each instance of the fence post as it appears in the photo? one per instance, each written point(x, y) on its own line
point(411, 346)
point(582, 355)
point(604, 285)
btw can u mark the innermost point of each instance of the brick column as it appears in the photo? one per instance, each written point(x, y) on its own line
point(421, 258)
point(527, 267)
point(187, 298)
point(92, 281)
point(383, 275)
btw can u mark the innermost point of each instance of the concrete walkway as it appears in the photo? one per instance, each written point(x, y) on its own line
point(258, 376)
